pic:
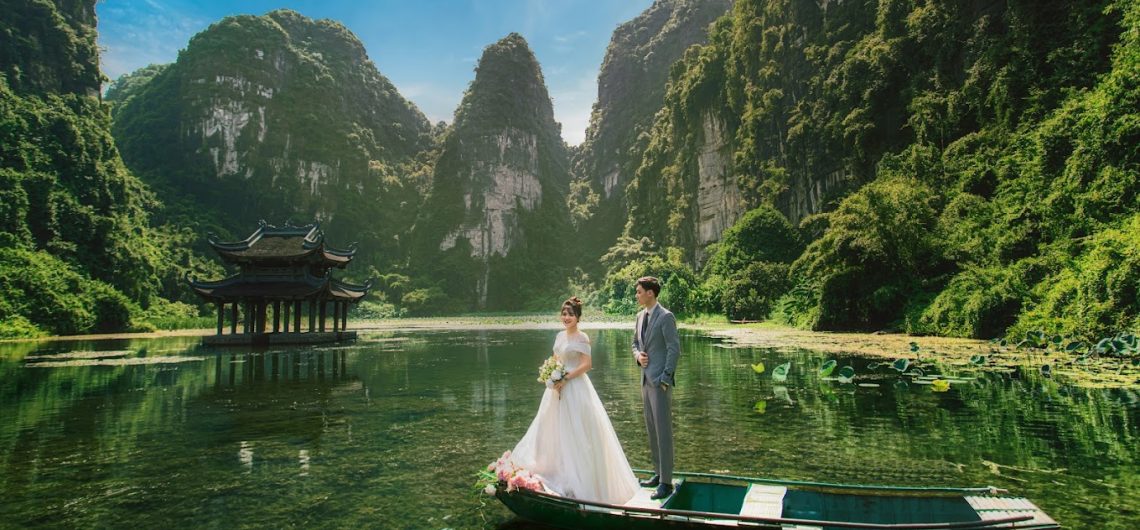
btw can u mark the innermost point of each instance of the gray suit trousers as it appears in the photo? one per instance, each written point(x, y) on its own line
point(659, 424)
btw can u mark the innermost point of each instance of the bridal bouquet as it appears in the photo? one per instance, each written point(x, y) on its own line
point(551, 371)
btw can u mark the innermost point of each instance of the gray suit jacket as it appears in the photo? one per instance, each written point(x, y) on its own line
point(661, 343)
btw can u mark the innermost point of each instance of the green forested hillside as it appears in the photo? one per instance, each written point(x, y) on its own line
point(957, 167)
point(77, 250)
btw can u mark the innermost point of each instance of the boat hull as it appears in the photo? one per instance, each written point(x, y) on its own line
point(709, 501)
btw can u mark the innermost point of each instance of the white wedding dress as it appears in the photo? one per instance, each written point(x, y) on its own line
point(571, 443)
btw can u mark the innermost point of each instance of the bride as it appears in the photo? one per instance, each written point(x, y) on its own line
point(571, 443)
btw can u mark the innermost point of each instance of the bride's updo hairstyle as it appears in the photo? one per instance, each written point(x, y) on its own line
point(575, 306)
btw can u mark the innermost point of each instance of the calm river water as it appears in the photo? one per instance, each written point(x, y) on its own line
point(388, 432)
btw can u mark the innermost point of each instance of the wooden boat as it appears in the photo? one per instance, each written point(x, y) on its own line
point(711, 501)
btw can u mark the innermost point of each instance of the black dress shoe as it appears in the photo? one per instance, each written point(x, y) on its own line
point(651, 483)
point(663, 490)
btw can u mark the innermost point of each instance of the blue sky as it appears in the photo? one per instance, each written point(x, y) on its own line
point(428, 48)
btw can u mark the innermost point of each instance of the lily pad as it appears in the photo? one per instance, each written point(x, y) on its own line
point(1074, 346)
point(827, 367)
point(977, 360)
point(846, 374)
point(758, 368)
point(761, 406)
point(901, 364)
point(780, 373)
point(1046, 370)
point(940, 385)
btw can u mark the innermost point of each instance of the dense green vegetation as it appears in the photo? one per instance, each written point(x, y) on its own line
point(991, 153)
point(78, 252)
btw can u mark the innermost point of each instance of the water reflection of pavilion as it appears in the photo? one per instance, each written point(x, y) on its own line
point(251, 368)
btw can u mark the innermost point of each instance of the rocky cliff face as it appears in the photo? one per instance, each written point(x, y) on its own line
point(739, 125)
point(278, 117)
point(631, 88)
point(719, 203)
point(497, 205)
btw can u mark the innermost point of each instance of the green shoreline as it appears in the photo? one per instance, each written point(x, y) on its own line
point(950, 352)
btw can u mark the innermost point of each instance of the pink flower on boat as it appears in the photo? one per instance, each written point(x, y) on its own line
point(516, 477)
point(524, 479)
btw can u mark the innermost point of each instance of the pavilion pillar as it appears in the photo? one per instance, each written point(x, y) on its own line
point(324, 312)
point(262, 306)
point(312, 316)
point(276, 316)
point(247, 317)
point(344, 317)
point(233, 318)
point(336, 317)
point(297, 316)
point(221, 317)
point(285, 319)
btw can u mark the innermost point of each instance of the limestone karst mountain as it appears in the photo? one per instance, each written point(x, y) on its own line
point(279, 117)
point(631, 89)
point(494, 230)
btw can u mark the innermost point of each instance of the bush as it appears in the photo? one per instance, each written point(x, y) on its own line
point(977, 303)
point(680, 288)
point(54, 296)
point(425, 302)
point(1098, 295)
point(763, 234)
point(751, 294)
point(369, 310)
point(164, 314)
point(18, 327)
point(879, 246)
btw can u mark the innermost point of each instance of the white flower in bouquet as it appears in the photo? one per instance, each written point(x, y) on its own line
point(551, 371)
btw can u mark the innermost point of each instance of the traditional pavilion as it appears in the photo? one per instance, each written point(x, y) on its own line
point(286, 270)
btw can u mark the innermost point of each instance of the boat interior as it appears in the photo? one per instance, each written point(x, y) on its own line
point(873, 507)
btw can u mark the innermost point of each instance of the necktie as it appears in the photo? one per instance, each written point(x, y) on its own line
point(644, 325)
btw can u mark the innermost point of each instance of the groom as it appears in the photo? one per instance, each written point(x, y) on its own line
point(656, 348)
